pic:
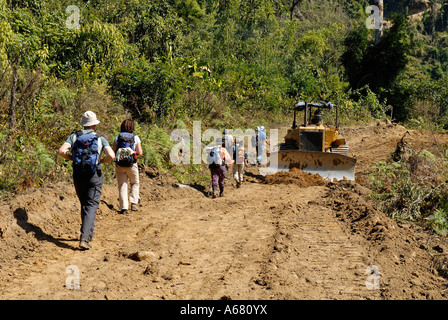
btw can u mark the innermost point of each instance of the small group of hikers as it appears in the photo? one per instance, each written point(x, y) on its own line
point(85, 148)
point(219, 158)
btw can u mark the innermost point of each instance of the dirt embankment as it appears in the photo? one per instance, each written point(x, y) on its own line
point(377, 142)
point(287, 236)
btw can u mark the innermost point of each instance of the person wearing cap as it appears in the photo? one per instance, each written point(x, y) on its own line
point(88, 187)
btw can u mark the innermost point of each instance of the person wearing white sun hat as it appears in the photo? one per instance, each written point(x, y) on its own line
point(258, 141)
point(89, 119)
point(85, 148)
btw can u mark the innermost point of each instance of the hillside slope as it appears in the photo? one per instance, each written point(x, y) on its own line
point(271, 239)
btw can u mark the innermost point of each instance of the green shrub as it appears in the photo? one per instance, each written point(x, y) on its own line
point(156, 144)
point(24, 163)
point(412, 186)
point(439, 221)
point(148, 89)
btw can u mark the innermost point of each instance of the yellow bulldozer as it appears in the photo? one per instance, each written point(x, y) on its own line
point(314, 147)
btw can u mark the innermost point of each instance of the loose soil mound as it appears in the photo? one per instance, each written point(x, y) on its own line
point(297, 177)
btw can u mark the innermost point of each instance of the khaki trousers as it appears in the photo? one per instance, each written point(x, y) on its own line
point(238, 172)
point(125, 175)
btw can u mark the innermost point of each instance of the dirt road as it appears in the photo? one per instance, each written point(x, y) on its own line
point(267, 240)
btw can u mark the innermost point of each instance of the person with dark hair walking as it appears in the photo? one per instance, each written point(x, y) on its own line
point(84, 148)
point(218, 158)
point(127, 146)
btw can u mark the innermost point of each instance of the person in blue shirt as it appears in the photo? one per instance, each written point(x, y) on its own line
point(88, 186)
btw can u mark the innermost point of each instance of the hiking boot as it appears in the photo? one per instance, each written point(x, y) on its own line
point(221, 194)
point(84, 245)
point(214, 195)
point(124, 211)
point(93, 234)
point(134, 207)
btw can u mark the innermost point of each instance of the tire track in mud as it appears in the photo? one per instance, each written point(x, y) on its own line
point(312, 256)
point(259, 242)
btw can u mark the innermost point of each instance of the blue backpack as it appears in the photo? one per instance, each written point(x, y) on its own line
point(125, 140)
point(85, 153)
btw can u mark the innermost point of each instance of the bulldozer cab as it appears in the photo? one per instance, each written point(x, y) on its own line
point(313, 135)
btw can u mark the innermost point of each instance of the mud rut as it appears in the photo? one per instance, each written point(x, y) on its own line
point(263, 241)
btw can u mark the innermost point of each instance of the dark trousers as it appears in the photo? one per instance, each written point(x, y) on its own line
point(218, 175)
point(88, 190)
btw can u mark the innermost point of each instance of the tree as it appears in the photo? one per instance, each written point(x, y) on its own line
point(355, 44)
point(377, 65)
point(294, 4)
point(386, 60)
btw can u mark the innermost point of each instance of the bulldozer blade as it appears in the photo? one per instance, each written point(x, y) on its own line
point(326, 164)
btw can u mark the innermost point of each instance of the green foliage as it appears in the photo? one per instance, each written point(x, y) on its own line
point(356, 44)
point(148, 89)
point(24, 162)
point(436, 20)
point(227, 63)
point(439, 222)
point(355, 9)
point(377, 65)
point(156, 144)
point(439, 218)
point(192, 174)
point(411, 186)
point(98, 44)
